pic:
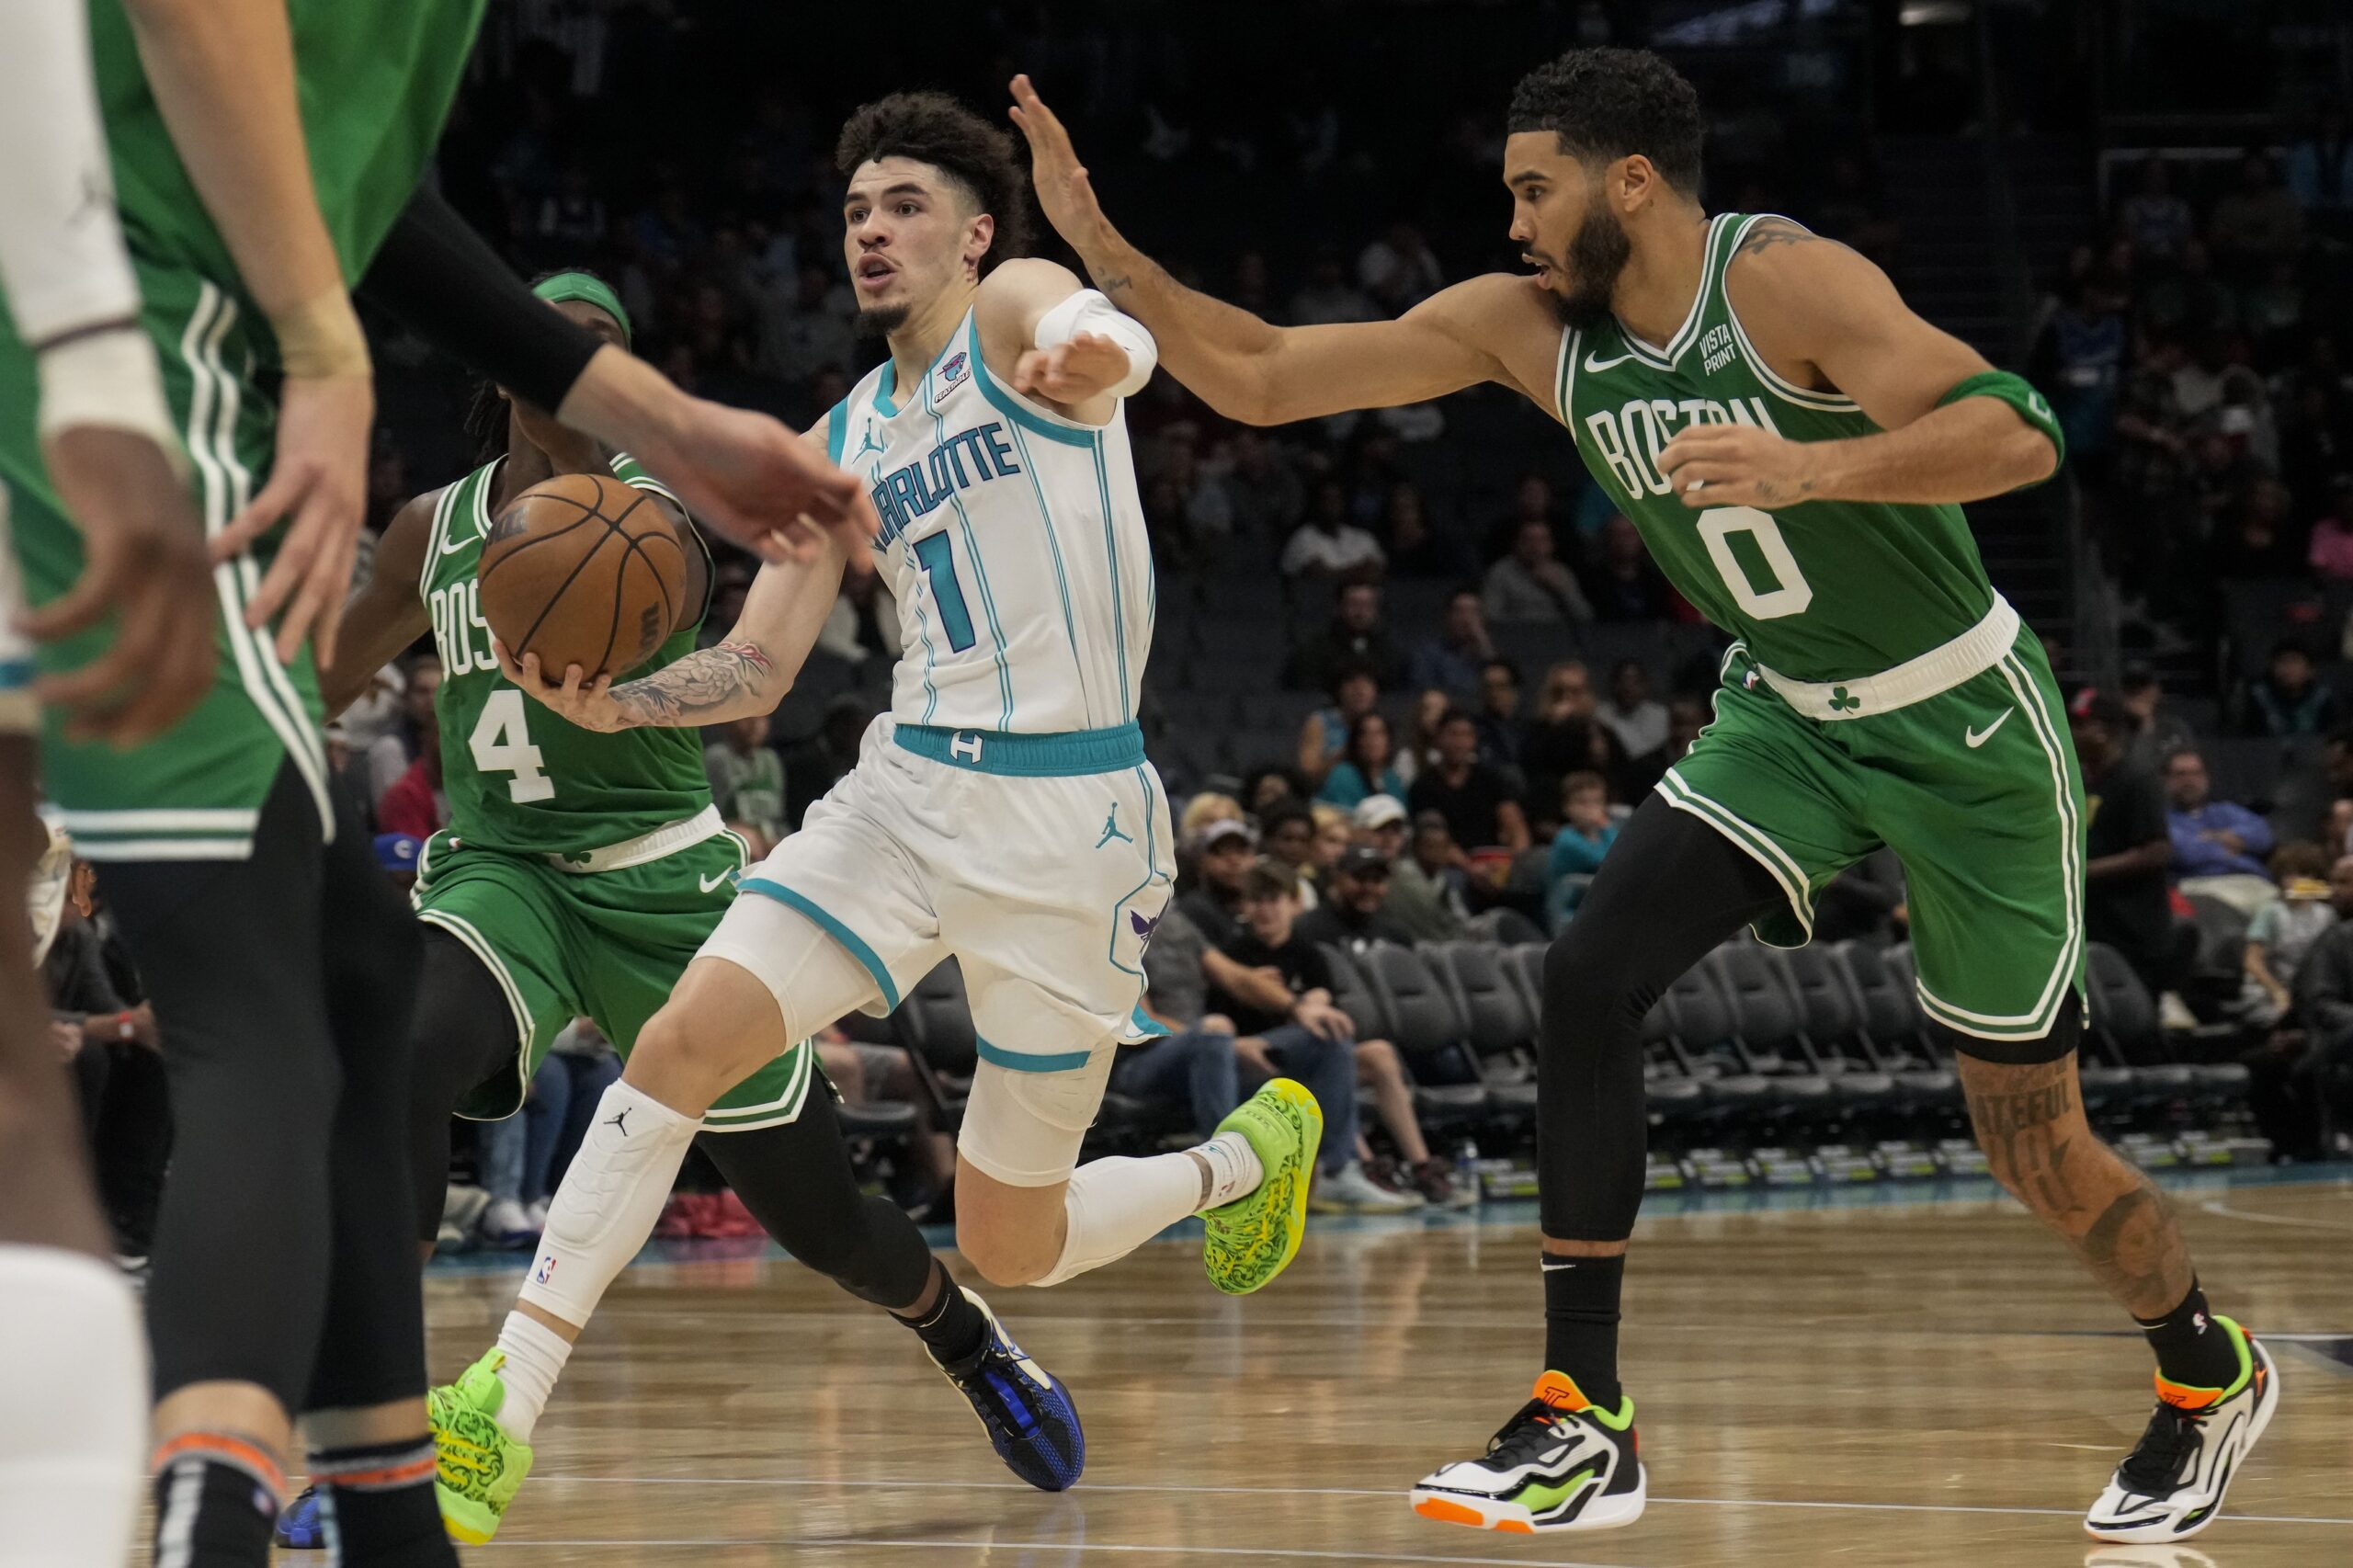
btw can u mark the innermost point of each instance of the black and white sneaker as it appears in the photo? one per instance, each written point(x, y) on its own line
point(2171, 1485)
point(1563, 1463)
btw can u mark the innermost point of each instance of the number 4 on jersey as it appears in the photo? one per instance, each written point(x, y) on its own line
point(501, 743)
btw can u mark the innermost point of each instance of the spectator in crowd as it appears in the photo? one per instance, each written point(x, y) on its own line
point(1368, 766)
point(1416, 549)
point(1420, 746)
point(1327, 545)
point(2289, 699)
point(2318, 1081)
point(2157, 731)
point(1564, 737)
point(816, 765)
point(2154, 216)
point(1355, 638)
point(1273, 781)
point(2128, 848)
point(1428, 883)
point(1586, 835)
point(1474, 798)
point(415, 804)
point(1334, 830)
point(1531, 584)
point(748, 782)
point(1399, 270)
point(397, 855)
point(1501, 733)
point(2080, 358)
point(1629, 585)
point(1685, 715)
point(1268, 497)
point(2190, 301)
point(1203, 808)
point(1287, 835)
point(1303, 1033)
point(1451, 661)
point(1532, 502)
point(2257, 221)
point(1355, 915)
point(1633, 715)
point(105, 1029)
point(1323, 734)
point(396, 750)
point(2219, 846)
point(1414, 905)
point(2284, 930)
point(1222, 861)
point(1865, 900)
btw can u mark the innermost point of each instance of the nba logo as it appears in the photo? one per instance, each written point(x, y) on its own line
point(952, 372)
point(1748, 681)
point(540, 1274)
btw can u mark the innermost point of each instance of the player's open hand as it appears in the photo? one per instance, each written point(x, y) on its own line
point(1739, 465)
point(1064, 193)
point(144, 565)
point(319, 478)
point(1087, 367)
point(582, 702)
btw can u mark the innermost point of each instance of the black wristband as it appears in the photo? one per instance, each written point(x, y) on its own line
point(438, 278)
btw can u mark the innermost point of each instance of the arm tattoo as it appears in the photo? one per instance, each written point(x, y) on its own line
point(1774, 231)
point(699, 684)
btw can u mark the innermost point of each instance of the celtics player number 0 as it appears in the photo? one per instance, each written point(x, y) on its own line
point(501, 743)
point(1790, 593)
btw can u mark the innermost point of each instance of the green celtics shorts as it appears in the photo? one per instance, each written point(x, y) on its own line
point(605, 945)
point(195, 792)
point(1974, 788)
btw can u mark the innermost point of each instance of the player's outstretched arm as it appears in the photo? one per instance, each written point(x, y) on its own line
point(1243, 366)
point(386, 613)
point(1055, 338)
point(1951, 428)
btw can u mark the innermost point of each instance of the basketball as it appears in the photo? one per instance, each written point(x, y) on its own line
point(584, 570)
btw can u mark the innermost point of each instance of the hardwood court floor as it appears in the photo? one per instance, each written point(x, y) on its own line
point(1934, 1384)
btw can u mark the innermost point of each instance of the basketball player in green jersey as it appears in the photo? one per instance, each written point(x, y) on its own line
point(579, 874)
point(1794, 445)
point(284, 1278)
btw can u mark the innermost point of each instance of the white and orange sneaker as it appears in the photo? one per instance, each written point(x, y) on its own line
point(2171, 1485)
point(1563, 1463)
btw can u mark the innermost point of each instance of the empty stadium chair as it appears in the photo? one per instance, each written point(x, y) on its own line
point(1428, 1028)
point(1501, 1026)
point(1524, 962)
point(1830, 1017)
point(1702, 1029)
point(1888, 1013)
point(1353, 996)
point(1766, 1034)
point(2124, 1029)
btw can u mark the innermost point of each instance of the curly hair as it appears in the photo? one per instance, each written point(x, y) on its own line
point(976, 156)
point(1611, 103)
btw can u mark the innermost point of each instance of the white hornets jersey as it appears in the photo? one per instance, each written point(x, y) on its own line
point(1014, 540)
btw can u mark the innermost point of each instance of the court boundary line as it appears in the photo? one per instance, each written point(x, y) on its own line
point(1399, 1493)
point(845, 1543)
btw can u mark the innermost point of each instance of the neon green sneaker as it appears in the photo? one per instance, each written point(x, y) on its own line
point(1255, 1237)
point(478, 1467)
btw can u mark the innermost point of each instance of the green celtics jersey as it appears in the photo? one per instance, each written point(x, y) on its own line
point(1821, 591)
point(374, 80)
point(519, 778)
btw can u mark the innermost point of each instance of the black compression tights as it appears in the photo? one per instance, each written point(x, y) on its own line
point(282, 1252)
point(796, 1179)
point(1671, 888)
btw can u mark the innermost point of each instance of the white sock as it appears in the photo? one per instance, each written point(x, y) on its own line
point(72, 1349)
point(608, 1201)
point(1114, 1206)
point(535, 1359)
point(1233, 1168)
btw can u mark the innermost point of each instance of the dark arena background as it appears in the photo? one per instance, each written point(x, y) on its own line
point(1849, 1344)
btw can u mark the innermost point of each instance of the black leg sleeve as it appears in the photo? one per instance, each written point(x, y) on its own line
point(464, 1031)
point(232, 955)
point(1671, 889)
point(797, 1181)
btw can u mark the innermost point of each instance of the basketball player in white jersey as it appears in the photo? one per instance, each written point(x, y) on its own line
point(1002, 813)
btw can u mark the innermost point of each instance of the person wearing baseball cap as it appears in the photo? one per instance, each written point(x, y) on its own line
point(1353, 915)
point(1222, 855)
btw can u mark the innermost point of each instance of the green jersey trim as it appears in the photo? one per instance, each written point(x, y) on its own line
point(1750, 839)
point(1658, 360)
point(482, 948)
point(1781, 386)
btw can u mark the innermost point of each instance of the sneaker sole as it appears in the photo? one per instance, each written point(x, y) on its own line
point(1511, 1518)
point(2162, 1531)
point(1262, 1230)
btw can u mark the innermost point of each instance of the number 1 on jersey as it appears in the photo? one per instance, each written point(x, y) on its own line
point(501, 743)
point(937, 554)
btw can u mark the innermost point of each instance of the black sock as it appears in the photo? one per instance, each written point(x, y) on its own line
point(376, 1503)
point(218, 1493)
point(1581, 1323)
point(954, 1328)
point(2192, 1348)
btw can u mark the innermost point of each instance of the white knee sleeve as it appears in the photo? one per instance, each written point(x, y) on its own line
point(813, 977)
point(72, 1350)
point(607, 1203)
point(1114, 1206)
point(1024, 1128)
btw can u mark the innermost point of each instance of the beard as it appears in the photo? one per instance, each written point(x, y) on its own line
point(1596, 257)
point(881, 321)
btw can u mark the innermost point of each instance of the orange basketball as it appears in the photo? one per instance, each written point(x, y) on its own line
point(584, 570)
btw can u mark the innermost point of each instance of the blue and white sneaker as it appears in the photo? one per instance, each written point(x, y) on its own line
point(298, 1523)
point(1024, 1408)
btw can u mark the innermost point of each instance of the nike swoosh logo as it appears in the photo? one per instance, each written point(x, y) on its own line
point(1593, 364)
point(1976, 738)
point(710, 882)
point(469, 542)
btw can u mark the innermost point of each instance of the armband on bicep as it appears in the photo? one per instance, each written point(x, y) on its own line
point(2029, 404)
point(1088, 311)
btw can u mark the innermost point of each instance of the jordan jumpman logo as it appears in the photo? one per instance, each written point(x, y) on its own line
point(1111, 828)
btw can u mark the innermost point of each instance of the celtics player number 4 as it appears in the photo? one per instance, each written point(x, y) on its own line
point(501, 743)
point(1790, 593)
